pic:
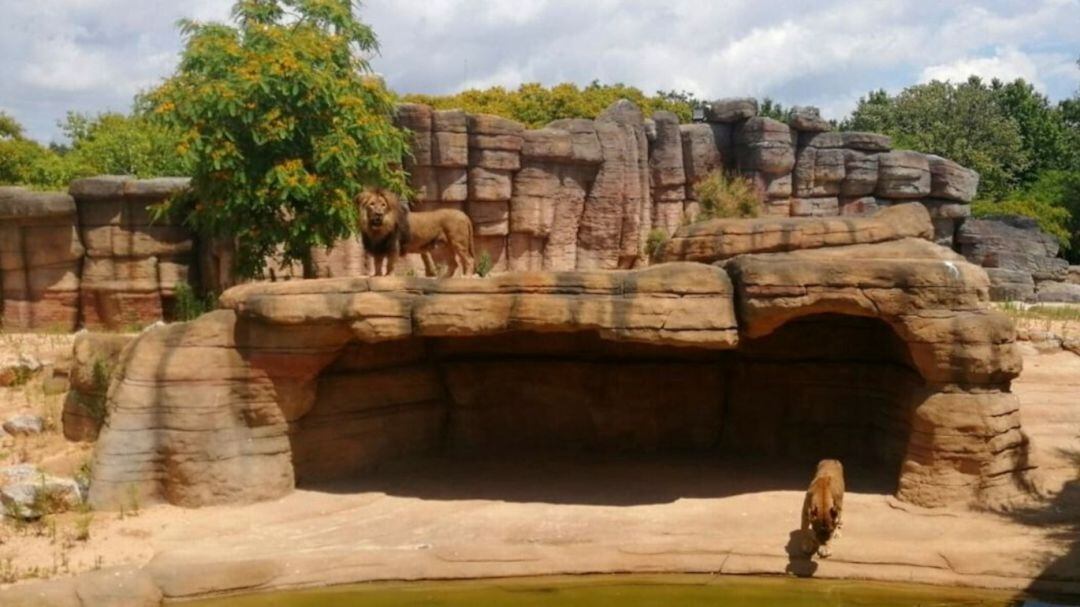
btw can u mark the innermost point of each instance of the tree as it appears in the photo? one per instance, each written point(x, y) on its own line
point(1043, 130)
point(536, 105)
point(115, 144)
point(964, 122)
point(9, 127)
point(280, 125)
point(773, 109)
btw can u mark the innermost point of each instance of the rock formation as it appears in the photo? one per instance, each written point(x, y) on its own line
point(40, 260)
point(1020, 259)
point(575, 195)
point(133, 262)
point(879, 348)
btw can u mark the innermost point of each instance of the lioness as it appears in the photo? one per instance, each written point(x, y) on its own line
point(389, 230)
point(823, 506)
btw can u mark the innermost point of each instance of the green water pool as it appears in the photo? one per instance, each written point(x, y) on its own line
point(633, 591)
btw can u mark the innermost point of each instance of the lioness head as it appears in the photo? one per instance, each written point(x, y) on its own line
point(823, 517)
point(378, 207)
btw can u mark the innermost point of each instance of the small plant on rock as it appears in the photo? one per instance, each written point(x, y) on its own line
point(188, 305)
point(654, 242)
point(727, 196)
point(484, 264)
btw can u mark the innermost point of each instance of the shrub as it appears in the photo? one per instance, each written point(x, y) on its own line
point(721, 195)
point(1053, 220)
point(655, 241)
point(484, 263)
point(187, 305)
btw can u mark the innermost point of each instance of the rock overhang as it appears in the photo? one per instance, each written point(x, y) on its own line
point(205, 412)
point(679, 303)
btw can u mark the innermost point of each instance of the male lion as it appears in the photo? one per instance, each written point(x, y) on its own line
point(823, 507)
point(389, 230)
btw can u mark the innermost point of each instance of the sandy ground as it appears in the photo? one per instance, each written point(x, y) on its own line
point(475, 518)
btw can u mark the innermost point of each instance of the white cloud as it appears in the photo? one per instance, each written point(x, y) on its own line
point(1007, 64)
point(92, 55)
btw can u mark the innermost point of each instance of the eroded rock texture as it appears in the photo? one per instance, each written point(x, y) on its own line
point(879, 349)
point(40, 260)
point(1020, 259)
point(133, 262)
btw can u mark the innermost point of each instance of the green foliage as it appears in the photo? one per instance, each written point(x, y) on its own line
point(1054, 199)
point(535, 105)
point(964, 122)
point(9, 127)
point(722, 196)
point(110, 143)
point(772, 109)
point(95, 403)
point(655, 241)
point(484, 264)
point(187, 305)
point(279, 128)
point(115, 144)
point(1052, 219)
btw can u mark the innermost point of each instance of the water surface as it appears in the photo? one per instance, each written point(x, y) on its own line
point(634, 591)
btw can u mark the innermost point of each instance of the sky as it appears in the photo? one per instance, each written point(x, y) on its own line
point(95, 55)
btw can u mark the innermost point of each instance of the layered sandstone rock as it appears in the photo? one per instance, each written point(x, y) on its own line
point(133, 261)
point(719, 239)
point(232, 386)
point(94, 358)
point(1018, 257)
point(40, 261)
point(880, 346)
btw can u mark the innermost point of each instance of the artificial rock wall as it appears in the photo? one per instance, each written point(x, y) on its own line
point(584, 194)
point(575, 195)
point(877, 347)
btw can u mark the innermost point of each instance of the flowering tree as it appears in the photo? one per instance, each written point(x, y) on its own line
point(280, 125)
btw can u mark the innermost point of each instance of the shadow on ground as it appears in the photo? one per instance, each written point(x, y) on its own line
point(1060, 514)
point(593, 480)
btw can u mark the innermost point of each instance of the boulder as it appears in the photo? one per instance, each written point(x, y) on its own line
point(548, 144)
point(24, 424)
point(449, 149)
point(27, 493)
point(450, 121)
point(701, 153)
point(502, 160)
point(666, 154)
point(860, 174)
point(489, 184)
point(807, 119)
point(731, 109)
point(903, 174)
point(617, 213)
point(40, 252)
point(950, 180)
point(585, 147)
point(819, 172)
point(815, 207)
point(861, 206)
point(1012, 243)
point(414, 116)
point(718, 239)
point(1047, 291)
point(487, 124)
point(1010, 285)
point(764, 144)
point(134, 261)
point(867, 142)
point(17, 369)
point(94, 358)
point(1073, 275)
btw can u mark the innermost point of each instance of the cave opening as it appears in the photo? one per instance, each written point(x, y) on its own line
point(531, 405)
